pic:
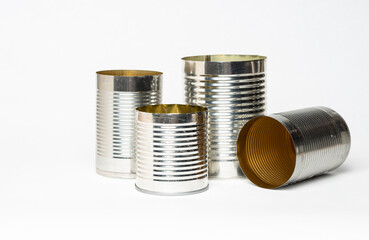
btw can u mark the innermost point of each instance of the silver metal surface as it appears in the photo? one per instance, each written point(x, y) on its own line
point(119, 93)
point(232, 87)
point(292, 146)
point(171, 149)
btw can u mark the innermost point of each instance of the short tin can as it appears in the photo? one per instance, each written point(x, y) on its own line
point(171, 149)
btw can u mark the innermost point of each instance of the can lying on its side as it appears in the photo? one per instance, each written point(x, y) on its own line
point(171, 149)
point(287, 147)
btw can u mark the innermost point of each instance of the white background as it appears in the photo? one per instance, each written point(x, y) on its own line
point(49, 52)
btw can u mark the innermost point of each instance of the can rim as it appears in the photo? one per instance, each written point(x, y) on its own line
point(128, 73)
point(224, 58)
point(171, 109)
point(257, 166)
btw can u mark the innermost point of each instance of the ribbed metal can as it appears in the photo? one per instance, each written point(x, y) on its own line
point(171, 149)
point(119, 93)
point(287, 147)
point(232, 87)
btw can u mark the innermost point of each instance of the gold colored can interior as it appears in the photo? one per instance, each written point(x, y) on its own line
point(129, 73)
point(171, 108)
point(266, 152)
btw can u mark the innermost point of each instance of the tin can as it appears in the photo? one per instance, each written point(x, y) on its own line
point(119, 93)
point(171, 149)
point(232, 87)
point(288, 147)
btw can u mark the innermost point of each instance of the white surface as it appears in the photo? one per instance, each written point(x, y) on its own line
point(49, 52)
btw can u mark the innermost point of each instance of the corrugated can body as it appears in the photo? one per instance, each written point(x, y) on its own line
point(171, 149)
point(119, 93)
point(287, 147)
point(232, 87)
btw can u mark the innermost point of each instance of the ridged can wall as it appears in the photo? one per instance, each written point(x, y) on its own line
point(171, 149)
point(119, 93)
point(288, 147)
point(232, 87)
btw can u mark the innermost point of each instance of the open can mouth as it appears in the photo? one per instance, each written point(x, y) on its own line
point(171, 108)
point(129, 73)
point(224, 58)
point(129, 80)
point(266, 152)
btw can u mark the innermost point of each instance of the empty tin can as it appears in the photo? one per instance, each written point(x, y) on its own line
point(119, 93)
point(171, 149)
point(232, 87)
point(287, 147)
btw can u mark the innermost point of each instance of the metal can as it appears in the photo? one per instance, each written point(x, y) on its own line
point(287, 147)
point(119, 93)
point(171, 149)
point(232, 87)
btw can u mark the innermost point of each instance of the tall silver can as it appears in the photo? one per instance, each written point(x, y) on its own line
point(232, 87)
point(119, 93)
point(171, 149)
point(287, 147)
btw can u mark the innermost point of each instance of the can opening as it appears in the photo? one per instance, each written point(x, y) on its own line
point(224, 58)
point(129, 73)
point(266, 152)
point(171, 108)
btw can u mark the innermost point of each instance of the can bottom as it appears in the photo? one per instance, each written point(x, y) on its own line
point(172, 194)
point(171, 187)
point(225, 170)
point(115, 174)
point(115, 168)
